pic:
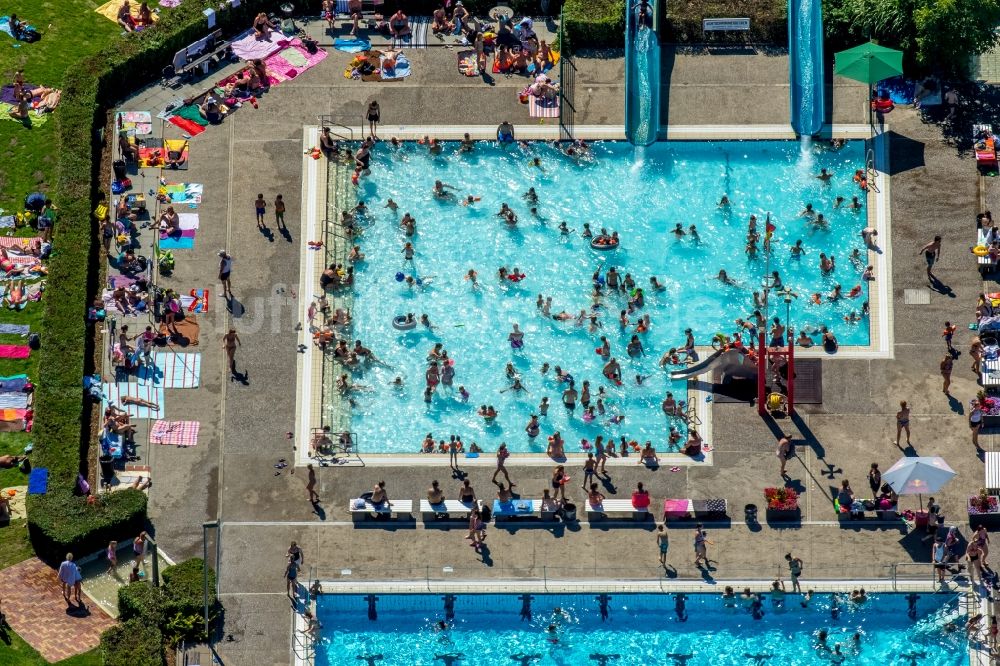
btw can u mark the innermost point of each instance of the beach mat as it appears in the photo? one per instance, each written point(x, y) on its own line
point(15, 351)
point(189, 330)
point(114, 392)
point(109, 10)
point(196, 301)
point(291, 61)
point(248, 47)
point(14, 401)
point(543, 108)
point(467, 64)
point(183, 237)
point(351, 44)
point(13, 383)
point(153, 152)
point(175, 433)
point(34, 118)
point(134, 123)
point(38, 481)
point(188, 194)
point(172, 370)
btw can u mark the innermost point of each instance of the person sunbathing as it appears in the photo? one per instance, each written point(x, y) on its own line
point(22, 108)
point(543, 58)
point(129, 152)
point(6, 462)
point(139, 402)
point(145, 17)
point(262, 26)
point(169, 219)
point(117, 421)
point(210, 110)
point(175, 158)
point(139, 484)
point(440, 23)
point(354, 9)
point(543, 88)
point(16, 296)
point(124, 18)
point(121, 300)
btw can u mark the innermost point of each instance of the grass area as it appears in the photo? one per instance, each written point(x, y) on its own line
point(19, 653)
point(71, 29)
point(14, 547)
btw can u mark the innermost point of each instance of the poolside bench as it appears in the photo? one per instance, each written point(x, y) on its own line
point(688, 509)
point(989, 371)
point(986, 264)
point(392, 508)
point(517, 508)
point(992, 470)
point(449, 509)
point(616, 508)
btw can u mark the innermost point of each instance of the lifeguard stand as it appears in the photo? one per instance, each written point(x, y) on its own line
point(764, 355)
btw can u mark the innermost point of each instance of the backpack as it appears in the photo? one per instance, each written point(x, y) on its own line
point(34, 341)
point(485, 513)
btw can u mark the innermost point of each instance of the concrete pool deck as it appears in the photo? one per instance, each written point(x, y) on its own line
point(230, 475)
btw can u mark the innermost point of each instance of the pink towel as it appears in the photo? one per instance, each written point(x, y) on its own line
point(15, 351)
point(280, 70)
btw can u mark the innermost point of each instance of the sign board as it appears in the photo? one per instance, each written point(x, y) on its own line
point(719, 24)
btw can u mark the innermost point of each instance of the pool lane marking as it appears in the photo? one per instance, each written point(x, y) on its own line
point(309, 194)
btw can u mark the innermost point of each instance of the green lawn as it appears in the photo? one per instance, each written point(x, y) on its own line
point(71, 29)
point(19, 653)
point(14, 546)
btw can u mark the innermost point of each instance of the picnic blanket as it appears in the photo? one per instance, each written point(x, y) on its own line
point(15, 351)
point(170, 3)
point(467, 63)
point(248, 47)
point(176, 433)
point(351, 44)
point(114, 392)
point(173, 370)
point(189, 330)
point(135, 123)
point(15, 329)
point(13, 383)
point(109, 10)
point(183, 193)
point(115, 281)
point(183, 237)
point(5, 27)
point(196, 301)
point(539, 107)
point(291, 61)
point(38, 481)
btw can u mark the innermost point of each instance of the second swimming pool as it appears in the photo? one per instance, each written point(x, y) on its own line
point(643, 200)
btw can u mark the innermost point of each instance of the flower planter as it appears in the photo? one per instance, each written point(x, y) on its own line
point(784, 515)
point(983, 515)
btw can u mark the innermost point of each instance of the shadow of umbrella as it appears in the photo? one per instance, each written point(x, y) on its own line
point(904, 153)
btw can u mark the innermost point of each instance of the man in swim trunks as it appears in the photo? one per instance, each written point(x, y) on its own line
point(932, 254)
point(569, 397)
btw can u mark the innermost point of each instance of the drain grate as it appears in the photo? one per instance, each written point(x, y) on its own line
point(917, 296)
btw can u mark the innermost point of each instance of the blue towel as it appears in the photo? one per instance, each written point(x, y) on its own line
point(900, 90)
point(13, 400)
point(13, 384)
point(38, 481)
point(15, 329)
point(351, 45)
point(7, 222)
point(180, 243)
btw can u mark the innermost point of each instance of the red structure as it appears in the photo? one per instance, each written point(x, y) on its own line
point(764, 355)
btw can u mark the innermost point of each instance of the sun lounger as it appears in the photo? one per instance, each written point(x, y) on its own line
point(362, 509)
point(687, 509)
point(990, 372)
point(517, 508)
point(992, 471)
point(616, 508)
point(449, 509)
point(986, 262)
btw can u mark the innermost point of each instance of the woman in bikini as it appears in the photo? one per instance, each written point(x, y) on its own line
point(903, 422)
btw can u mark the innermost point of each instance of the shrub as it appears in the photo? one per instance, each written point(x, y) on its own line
point(184, 601)
point(594, 23)
point(132, 643)
point(61, 522)
point(140, 601)
point(781, 499)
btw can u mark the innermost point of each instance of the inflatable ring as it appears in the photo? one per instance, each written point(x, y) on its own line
point(980, 250)
point(400, 324)
point(603, 243)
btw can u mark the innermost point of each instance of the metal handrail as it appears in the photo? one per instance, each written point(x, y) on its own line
point(326, 120)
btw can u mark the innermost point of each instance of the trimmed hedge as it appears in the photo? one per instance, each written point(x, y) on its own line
point(132, 643)
point(768, 21)
point(61, 521)
point(140, 601)
point(184, 603)
point(594, 23)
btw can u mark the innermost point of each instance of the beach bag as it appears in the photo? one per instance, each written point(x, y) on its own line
point(30, 35)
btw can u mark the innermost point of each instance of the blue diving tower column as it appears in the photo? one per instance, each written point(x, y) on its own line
point(642, 73)
point(805, 65)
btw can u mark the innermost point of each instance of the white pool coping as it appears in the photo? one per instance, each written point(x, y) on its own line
point(309, 368)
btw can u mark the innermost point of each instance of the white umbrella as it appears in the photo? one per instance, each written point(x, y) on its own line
point(916, 476)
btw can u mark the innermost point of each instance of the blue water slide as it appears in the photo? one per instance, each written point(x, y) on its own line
point(805, 65)
point(642, 74)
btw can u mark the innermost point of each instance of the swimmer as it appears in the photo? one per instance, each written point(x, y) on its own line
point(467, 144)
point(530, 196)
point(507, 214)
point(808, 211)
point(516, 386)
point(826, 265)
point(471, 276)
point(440, 190)
point(724, 278)
point(804, 340)
point(356, 254)
point(565, 230)
point(852, 318)
point(856, 260)
point(469, 200)
point(536, 162)
point(586, 233)
point(855, 204)
point(424, 321)
point(693, 233)
point(543, 406)
point(391, 205)
point(724, 202)
point(463, 395)
point(820, 221)
point(838, 202)
point(397, 382)
point(639, 379)
point(408, 251)
point(836, 294)
point(868, 273)
point(824, 176)
point(678, 230)
point(655, 285)
point(797, 249)
point(547, 308)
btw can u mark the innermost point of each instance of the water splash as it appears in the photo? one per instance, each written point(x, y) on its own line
point(643, 50)
point(639, 159)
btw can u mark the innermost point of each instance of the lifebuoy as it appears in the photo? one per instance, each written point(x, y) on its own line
point(400, 323)
point(603, 243)
point(980, 250)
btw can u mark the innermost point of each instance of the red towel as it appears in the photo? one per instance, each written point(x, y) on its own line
point(189, 126)
point(15, 351)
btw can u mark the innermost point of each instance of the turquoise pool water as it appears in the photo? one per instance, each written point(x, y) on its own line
point(642, 201)
point(493, 630)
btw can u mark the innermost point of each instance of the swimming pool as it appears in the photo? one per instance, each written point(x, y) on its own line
point(674, 183)
point(494, 630)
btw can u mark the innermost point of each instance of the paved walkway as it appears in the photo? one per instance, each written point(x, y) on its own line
point(35, 608)
point(231, 474)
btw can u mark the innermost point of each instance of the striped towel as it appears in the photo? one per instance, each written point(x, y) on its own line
point(543, 108)
point(113, 393)
point(12, 242)
point(13, 402)
point(176, 433)
point(172, 370)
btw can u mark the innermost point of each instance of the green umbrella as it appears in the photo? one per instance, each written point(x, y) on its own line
point(869, 63)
